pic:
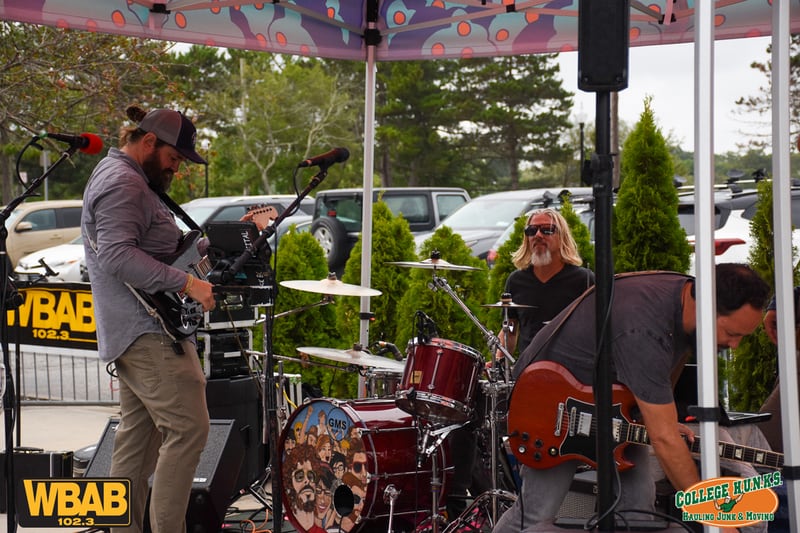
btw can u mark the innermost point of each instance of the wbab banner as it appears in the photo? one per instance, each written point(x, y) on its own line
point(54, 315)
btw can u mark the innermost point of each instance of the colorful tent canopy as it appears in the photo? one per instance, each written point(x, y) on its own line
point(401, 29)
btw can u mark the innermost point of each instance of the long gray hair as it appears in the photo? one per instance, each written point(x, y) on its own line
point(567, 247)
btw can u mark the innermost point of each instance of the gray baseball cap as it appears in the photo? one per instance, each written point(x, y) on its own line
point(174, 129)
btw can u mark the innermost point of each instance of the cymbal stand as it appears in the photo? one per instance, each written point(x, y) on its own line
point(436, 481)
point(494, 345)
point(326, 299)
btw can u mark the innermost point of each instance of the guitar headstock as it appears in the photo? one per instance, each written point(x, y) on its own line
point(261, 215)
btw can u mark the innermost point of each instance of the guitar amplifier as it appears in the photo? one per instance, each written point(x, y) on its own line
point(230, 313)
point(221, 352)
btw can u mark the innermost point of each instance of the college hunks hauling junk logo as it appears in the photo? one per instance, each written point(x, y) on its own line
point(730, 501)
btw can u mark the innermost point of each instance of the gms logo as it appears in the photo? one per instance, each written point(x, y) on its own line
point(730, 501)
point(74, 502)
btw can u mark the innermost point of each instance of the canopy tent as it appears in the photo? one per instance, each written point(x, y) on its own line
point(398, 29)
point(387, 30)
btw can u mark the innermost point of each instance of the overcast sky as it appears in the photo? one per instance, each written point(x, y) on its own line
point(667, 74)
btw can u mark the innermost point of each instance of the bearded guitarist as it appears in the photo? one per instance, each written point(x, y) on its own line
point(126, 226)
point(652, 334)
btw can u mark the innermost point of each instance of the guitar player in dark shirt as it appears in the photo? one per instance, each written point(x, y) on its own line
point(125, 226)
point(652, 332)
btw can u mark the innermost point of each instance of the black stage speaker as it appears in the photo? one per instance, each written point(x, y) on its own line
point(603, 41)
point(239, 399)
point(30, 463)
point(214, 478)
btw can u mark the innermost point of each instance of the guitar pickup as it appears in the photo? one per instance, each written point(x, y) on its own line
point(584, 424)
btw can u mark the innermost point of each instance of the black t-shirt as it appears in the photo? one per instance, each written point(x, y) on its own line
point(548, 298)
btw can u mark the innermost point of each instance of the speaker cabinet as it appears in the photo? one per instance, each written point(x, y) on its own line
point(603, 42)
point(239, 399)
point(214, 478)
point(30, 463)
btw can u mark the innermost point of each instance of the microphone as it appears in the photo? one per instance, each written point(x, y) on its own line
point(337, 155)
point(88, 143)
point(392, 348)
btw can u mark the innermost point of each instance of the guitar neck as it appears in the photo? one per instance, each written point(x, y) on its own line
point(637, 434)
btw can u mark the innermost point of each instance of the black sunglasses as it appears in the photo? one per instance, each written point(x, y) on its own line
point(546, 229)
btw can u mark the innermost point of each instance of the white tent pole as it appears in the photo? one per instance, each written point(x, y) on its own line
point(781, 184)
point(704, 244)
point(369, 156)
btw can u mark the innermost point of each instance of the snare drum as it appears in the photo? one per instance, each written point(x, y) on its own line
point(382, 382)
point(379, 442)
point(439, 381)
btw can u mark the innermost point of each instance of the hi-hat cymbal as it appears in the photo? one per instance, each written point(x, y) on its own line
point(330, 286)
point(353, 357)
point(502, 303)
point(435, 264)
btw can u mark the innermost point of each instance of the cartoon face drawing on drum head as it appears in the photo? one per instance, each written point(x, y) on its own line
point(362, 447)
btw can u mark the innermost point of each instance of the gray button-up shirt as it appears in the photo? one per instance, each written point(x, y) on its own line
point(125, 226)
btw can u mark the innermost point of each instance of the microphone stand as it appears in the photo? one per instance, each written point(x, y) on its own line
point(270, 400)
point(10, 407)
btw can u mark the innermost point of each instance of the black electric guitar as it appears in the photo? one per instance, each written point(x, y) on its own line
point(178, 314)
point(551, 419)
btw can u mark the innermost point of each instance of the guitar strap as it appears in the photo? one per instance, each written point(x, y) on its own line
point(175, 208)
point(586, 293)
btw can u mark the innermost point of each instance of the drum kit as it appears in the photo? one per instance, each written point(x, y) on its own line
point(384, 462)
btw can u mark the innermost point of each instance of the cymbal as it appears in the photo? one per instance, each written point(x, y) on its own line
point(435, 264)
point(330, 286)
point(353, 357)
point(508, 305)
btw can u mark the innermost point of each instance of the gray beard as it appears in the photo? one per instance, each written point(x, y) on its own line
point(539, 259)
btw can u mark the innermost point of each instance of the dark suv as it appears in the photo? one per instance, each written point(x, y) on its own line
point(338, 214)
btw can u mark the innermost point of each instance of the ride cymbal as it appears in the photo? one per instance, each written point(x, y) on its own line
point(330, 286)
point(434, 264)
point(353, 357)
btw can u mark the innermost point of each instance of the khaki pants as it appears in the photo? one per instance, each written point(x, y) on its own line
point(163, 429)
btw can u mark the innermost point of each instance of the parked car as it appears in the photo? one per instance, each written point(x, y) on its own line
point(481, 221)
point(733, 213)
point(66, 260)
point(33, 226)
point(338, 214)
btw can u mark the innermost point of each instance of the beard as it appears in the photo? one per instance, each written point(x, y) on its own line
point(541, 258)
point(160, 178)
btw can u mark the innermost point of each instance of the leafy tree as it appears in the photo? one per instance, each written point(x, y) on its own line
point(279, 110)
point(755, 359)
point(391, 241)
point(519, 108)
point(300, 257)
point(470, 286)
point(646, 234)
point(64, 80)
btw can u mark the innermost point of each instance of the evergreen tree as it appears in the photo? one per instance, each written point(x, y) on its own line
point(391, 241)
point(754, 366)
point(301, 258)
point(646, 234)
point(451, 320)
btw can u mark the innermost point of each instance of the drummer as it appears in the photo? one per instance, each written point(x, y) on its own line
point(549, 276)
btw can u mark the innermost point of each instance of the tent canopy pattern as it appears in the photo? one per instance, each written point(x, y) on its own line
point(400, 29)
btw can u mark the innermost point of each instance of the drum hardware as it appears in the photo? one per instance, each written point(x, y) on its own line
point(390, 495)
point(326, 299)
point(478, 517)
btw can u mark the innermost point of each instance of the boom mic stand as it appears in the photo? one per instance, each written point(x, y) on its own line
point(270, 400)
point(10, 297)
